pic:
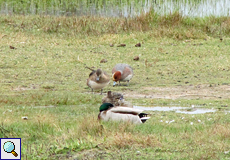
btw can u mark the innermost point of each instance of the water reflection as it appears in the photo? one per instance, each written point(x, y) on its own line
point(185, 110)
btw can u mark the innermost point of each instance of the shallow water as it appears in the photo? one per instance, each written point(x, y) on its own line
point(184, 110)
point(197, 111)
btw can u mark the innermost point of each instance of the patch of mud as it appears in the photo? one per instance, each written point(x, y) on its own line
point(51, 106)
point(183, 92)
point(25, 88)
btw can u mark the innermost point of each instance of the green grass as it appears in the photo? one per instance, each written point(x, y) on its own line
point(44, 78)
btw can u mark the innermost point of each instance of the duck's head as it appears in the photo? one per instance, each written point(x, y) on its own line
point(98, 73)
point(116, 77)
point(105, 106)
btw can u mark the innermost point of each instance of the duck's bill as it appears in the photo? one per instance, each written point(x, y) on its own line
point(121, 100)
point(97, 79)
point(114, 83)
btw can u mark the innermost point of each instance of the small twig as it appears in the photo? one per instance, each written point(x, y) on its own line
point(90, 68)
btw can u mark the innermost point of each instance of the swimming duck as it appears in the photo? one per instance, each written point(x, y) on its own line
point(117, 99)
point(98, 79)
point(117, 113)
point(122, 72)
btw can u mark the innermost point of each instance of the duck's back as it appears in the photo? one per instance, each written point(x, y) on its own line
point(121, 67)
point(126, 110)
point(110, 115)
point(112, 97)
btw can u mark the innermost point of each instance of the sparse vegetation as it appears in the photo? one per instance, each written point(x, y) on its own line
point(182, 62)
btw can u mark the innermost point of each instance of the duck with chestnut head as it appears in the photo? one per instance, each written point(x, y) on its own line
point(122, 72)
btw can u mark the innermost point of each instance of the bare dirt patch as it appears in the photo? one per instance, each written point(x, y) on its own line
point(25, 88)
point(183, 92)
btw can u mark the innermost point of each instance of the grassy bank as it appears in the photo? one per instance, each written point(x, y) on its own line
point(182, 62)
point(172, 26)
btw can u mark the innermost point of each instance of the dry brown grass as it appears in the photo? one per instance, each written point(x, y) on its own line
point(172, 19)
point(172, 25)
point(129, 140)
point(122, 139)
point(222, 130)
point(91, 126)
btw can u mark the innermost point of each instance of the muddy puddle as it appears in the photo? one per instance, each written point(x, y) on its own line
point(185, 110)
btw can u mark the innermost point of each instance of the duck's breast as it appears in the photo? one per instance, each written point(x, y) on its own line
point(95, 85)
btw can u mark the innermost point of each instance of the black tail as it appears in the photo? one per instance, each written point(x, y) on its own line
point(92, 73)
point(144, 117)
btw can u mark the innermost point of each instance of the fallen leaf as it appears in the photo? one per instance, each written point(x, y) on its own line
point(136, 58)
point(138, 45)
point(11, 47)
point(103, 61)
point(121, 45)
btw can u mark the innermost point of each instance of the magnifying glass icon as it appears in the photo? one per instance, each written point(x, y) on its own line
point(9, 147)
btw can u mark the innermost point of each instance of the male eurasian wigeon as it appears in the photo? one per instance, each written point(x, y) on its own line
point(98, 79)
point(122, 72)
point(117, 113)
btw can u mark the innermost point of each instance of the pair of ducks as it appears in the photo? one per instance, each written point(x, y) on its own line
point(115, 108)
point(99, 79)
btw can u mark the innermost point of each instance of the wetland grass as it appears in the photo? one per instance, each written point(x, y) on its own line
point(181, 62)
point(172, 25)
